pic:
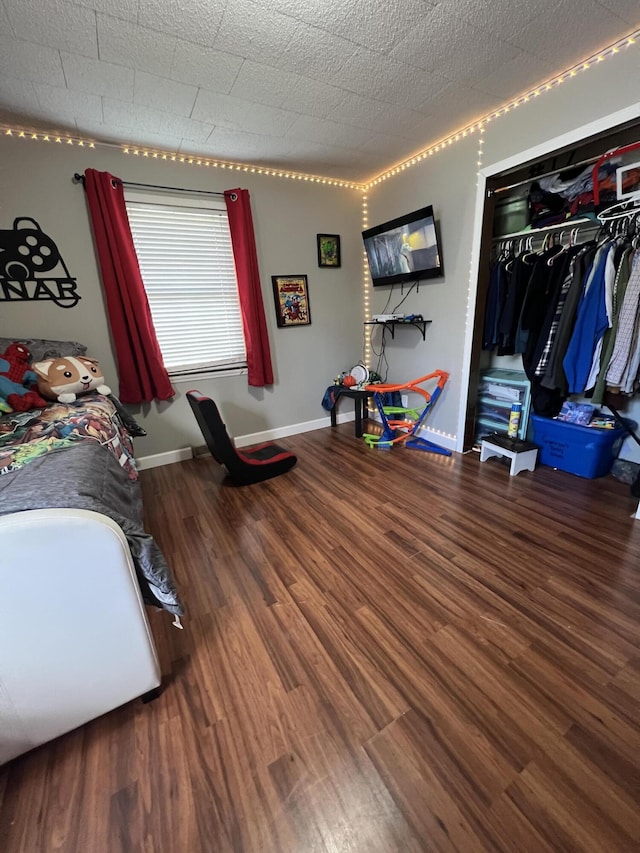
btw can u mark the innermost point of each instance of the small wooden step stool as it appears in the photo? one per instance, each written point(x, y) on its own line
point(523, 454)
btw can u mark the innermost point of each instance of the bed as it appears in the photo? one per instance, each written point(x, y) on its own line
point(76, 568)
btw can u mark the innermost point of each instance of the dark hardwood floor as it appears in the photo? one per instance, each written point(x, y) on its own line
point(384, 651)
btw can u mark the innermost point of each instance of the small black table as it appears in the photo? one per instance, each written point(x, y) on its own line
point(360, 397)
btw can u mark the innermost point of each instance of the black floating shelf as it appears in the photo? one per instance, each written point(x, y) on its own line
point(391, 325)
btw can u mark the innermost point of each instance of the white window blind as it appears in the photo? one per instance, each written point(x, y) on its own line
point(186, 260)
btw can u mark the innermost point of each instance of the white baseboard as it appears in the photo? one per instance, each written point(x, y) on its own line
point(167, 458)
point(293, 429)
point(171, 456)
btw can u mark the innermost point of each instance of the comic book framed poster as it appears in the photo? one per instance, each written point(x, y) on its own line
point(291, 294)
point(328, 250)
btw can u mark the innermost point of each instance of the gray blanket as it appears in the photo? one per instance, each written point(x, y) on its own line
point(88, 477)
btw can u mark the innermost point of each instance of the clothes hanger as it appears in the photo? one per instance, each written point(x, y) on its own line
point(619, 210)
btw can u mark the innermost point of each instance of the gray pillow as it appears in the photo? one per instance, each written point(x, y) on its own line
point(41, 348)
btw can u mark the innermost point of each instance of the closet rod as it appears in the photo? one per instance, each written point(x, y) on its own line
point(80, 178)
point(568, 224)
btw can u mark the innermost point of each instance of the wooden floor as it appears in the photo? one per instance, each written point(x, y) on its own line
point(383, 652)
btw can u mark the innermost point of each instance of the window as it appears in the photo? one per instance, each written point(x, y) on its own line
point(186, 260)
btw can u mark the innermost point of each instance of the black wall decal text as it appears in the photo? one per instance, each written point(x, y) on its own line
point(27, 254)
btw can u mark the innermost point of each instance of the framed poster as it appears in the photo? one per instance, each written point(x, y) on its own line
point(291, 294)
point(328, 250)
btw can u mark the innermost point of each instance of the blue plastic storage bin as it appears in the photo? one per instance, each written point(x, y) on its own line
point(586, 451)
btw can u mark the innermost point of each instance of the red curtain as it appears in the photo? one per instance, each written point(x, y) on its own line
point(253, 320)
point(143, 376)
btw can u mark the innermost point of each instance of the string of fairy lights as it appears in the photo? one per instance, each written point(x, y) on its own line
point(216, 163)
point(480, 124)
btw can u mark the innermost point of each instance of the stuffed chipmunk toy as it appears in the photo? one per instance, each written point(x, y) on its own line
point(62, 379)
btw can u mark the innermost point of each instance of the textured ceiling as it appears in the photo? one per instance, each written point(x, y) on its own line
point(341, 88)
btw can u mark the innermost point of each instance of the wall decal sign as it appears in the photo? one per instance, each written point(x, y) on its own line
point(27, 254)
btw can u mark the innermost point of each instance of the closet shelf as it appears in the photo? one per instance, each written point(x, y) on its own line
point(391, 324)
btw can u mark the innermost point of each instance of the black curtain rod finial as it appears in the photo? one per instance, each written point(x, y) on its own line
point(78, 178)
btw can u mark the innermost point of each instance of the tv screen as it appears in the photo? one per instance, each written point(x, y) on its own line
point(404, 249)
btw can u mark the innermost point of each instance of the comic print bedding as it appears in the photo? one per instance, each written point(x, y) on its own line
point(25, 436)
point(79, 455)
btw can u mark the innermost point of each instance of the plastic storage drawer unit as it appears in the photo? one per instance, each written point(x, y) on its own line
point(586, 451)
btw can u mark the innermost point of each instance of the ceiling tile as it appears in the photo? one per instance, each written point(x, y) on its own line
point(311, 97)
point(226, 142)
point(5, 27)
point(30, 61)
point(261, 83)
point(372, 115)
point(628, 10)
point(452, 109)
point(97, 77)
point(376, 24)
point(18, 94)
point(552, 37)
point(330, 86)
point(319, 159)
point(220, 110)
point(232, 113)
point(273, 87)
point(135, 47)
point(447, 44)
point(163, 94)
point(163, 142)
point(327, 132)
point(203, 66)
point(250, 30)
point(127, 9)
point(67, 104)
point(269, 120)
point(197, 20)
point(134, 117)
point(98, 130)
point(515, 77)
point(500, 18)
point(70, 27)
point(385, 79)
point(315, 53)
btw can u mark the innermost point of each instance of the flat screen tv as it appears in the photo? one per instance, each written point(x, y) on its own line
point(404, 249)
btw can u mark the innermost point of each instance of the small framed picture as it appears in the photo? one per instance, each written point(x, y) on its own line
point(328, 250)
point(291, 293)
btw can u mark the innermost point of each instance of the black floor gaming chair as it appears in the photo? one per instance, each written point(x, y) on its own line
point(245, 467)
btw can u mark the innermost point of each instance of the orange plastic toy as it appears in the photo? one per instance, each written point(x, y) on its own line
point(404, 429)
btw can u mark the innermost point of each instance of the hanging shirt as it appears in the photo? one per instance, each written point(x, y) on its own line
point(543, 362)
point(619, 290)
point(521, 269)
point(495, 300)
point(591, 324)
point(609, 280)
point(554, 376)
point(626, 327)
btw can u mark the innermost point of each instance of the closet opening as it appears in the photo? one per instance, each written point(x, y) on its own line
point(528, 209)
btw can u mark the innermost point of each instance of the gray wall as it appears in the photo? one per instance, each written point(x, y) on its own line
point(36, 180)
point(447, 182)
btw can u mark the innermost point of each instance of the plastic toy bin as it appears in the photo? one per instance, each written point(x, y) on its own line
point(586, 451)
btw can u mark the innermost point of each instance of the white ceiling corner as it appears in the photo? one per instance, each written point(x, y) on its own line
point(331, 87)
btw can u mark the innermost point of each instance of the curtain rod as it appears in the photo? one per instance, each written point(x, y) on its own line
point(80, 178)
